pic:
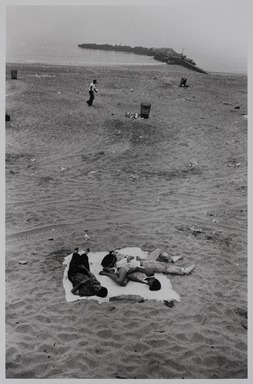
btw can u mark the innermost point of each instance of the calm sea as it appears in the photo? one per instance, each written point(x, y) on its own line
point(71, 55)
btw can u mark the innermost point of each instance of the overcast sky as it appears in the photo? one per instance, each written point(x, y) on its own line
point(211, 32)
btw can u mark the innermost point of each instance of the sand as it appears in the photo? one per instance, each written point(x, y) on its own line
point(80, 176)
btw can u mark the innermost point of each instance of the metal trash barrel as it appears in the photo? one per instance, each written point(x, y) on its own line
point(145, 110)
point(14, 74)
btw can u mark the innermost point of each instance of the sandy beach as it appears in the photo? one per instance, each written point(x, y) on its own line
point(92, 177)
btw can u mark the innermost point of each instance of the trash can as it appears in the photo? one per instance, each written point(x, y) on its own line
point(145, 109)
point(14, 74)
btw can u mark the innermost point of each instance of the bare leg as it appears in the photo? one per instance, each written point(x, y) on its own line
point(177, 270)
point(154, 254)
point(172, 270)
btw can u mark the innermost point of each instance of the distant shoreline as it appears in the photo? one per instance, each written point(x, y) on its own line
point(138, 65)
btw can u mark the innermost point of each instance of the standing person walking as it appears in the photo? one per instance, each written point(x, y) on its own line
point(92, 89)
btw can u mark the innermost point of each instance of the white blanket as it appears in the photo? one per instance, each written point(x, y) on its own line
point(133, 288)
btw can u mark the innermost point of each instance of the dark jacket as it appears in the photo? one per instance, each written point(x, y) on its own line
point(76, 263)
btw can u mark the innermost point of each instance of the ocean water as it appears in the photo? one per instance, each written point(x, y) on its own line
point(67, 54)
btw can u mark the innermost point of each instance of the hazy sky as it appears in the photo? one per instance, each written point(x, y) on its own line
point(213, 33)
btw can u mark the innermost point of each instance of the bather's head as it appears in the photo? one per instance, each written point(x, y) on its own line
point(153, 283)
point(102, 292)
point(94, 81)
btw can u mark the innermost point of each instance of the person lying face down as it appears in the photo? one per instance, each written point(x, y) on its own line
point(84, 282)
point(130, 267)
point(122, 275)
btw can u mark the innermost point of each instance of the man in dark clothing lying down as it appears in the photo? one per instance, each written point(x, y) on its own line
point(84, 282)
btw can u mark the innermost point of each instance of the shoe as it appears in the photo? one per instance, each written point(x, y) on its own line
point(188, 270)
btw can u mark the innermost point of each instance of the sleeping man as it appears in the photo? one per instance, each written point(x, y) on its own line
point(84, 282)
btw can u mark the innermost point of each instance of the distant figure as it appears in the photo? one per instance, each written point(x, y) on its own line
point(183, 82)
point(92, 89)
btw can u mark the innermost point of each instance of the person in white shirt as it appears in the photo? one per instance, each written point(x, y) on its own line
point(92, 89)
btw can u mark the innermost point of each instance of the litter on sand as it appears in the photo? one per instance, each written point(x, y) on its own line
point(131, 115)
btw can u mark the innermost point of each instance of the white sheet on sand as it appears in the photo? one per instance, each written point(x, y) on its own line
point(132, 288)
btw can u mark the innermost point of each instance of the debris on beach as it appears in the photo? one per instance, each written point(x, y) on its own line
point(208, 234)
point(134, 177)
point(128, 298)
point(209, 213)
point(169, 304)
point(233, 163)
point(196, 230)
point(131, 115)
point(193, 164)
point(86, 236)
point(22, 262)
point(92, 172)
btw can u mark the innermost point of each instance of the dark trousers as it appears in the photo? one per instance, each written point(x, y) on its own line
point(90, 101)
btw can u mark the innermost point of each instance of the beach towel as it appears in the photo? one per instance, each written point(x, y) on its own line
point(114, 290)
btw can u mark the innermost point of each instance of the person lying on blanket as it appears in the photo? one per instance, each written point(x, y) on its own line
point(123, 274)
point(84, 282)
point(148, 265)
point(157, 261)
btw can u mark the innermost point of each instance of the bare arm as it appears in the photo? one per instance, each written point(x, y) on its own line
point(136, 269)
point(77, 287)
point(147, 271)
point(88, 273)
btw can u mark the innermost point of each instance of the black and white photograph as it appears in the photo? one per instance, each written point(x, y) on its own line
point(125, 173)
